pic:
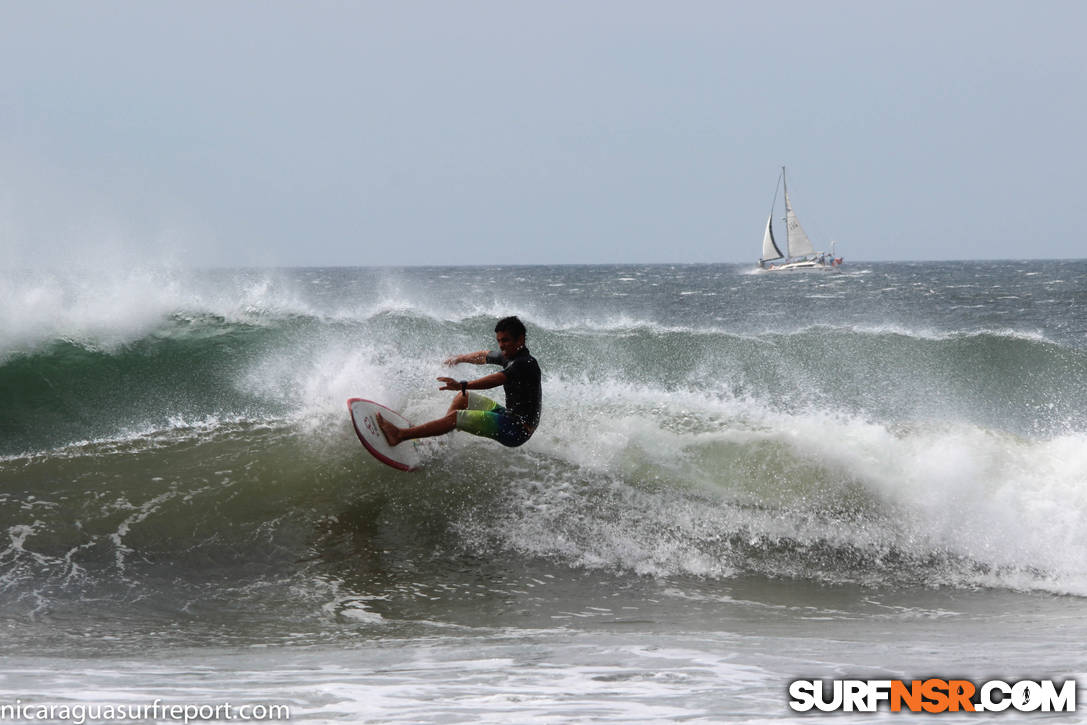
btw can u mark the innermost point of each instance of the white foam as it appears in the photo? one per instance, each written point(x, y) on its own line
point(666, 474)
point(39, 307)
point(997, 499)
point(109, 306)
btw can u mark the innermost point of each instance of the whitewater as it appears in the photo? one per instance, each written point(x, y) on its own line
point(739, 480)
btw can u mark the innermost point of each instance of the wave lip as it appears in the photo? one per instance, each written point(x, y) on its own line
point(108, 308)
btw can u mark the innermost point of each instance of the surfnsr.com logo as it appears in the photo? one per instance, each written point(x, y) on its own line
point(933, 695)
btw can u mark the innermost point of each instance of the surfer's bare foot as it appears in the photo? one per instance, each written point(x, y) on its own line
point(392, 433)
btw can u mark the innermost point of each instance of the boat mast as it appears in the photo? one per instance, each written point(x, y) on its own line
point(785, 188)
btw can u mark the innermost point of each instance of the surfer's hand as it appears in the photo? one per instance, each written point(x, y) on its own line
point(455, 360)
point(448, 384)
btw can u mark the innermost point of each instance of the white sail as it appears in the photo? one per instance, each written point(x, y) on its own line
point(797, 241)
point(769, 246)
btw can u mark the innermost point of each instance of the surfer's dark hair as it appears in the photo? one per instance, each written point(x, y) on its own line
point(511, 325)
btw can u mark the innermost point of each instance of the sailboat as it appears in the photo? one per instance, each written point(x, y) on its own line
point(799, 252)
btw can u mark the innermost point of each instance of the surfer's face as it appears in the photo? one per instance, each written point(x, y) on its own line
point(507, 345)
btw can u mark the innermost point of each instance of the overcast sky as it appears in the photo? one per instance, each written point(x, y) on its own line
point(396, 133)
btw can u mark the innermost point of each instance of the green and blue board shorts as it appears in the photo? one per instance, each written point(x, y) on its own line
point(484, 417)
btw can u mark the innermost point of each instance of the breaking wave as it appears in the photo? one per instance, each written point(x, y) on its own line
point(196, 456)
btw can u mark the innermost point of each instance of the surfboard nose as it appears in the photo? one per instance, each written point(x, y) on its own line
point(364, 419)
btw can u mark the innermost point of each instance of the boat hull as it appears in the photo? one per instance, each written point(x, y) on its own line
point(804, 265)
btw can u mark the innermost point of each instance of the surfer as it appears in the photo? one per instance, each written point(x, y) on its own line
point(512, 424)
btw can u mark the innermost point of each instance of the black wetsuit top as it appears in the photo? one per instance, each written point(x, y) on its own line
point(524, 394)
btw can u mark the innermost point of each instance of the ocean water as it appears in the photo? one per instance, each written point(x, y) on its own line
point(739, 480)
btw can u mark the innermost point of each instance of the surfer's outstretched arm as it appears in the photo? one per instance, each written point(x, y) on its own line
point(485, 383)
point(475, 358)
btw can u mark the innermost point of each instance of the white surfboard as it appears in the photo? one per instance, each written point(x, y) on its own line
point(405, 457)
